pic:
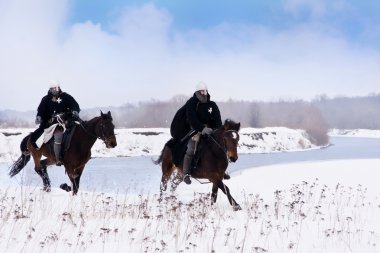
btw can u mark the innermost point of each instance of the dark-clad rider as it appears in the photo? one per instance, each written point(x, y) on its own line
point(202, 116)
point(56, 101)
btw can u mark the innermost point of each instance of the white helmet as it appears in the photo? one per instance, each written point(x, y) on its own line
point(54, 84)
point(201, 86)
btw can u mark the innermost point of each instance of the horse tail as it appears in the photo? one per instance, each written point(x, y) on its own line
point(167, 144)
point(22, 160)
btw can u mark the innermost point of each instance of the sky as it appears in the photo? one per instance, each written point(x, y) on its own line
point(110, 53)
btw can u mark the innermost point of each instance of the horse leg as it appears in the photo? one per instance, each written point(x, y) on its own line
point(42, 172)
point(166, 173)
point(226, 191)
point(177, 179)
point(214, 193)
point(75, 180)
point(167, 167)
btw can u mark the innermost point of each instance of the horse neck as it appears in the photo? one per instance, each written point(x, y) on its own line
point(90, 130)
point(217, 149)
point(218, 137)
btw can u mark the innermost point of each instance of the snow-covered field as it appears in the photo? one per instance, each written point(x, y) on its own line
point(327, 206)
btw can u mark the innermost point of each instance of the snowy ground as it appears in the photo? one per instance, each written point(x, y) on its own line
point(328, 206)
point(304, 207)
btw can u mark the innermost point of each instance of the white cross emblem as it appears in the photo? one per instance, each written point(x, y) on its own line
point(59, 100)
point(210, 110)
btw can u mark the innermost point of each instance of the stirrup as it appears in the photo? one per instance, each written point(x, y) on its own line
point(187, 179)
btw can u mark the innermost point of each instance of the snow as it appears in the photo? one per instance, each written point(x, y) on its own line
point(150, 141)
point(365, 133)
point(324, 206)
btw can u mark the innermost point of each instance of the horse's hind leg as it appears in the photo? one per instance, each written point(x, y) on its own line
point(42, 172)
point(167, 167)
point(176, 180)
point(226, 191)
point(166, 173)
point(214, 193)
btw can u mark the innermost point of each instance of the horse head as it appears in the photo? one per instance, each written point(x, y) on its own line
point(231, 138)
point(105, 130)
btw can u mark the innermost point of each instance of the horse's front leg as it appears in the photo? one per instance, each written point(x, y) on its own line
point(214, 193)
point(226, 191)
point(42, 172)
point(75, 179)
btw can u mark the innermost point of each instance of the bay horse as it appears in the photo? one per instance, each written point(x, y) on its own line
point(219, 148)
point(75, 157)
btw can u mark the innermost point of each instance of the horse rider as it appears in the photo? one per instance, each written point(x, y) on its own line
point(202, 117)
point(56, 101)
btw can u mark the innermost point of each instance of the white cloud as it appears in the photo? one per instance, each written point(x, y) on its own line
point(315, 7)
point(143, 57)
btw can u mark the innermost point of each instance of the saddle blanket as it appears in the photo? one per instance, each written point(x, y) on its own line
point(49, 132)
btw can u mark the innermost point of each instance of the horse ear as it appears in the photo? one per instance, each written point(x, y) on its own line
point(226, 124)
point(238, 126)
point(101, 113)
point(109, 113)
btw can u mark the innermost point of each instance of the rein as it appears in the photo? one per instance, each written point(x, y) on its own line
point(209, 182)
point(224, 142)
point(91, 134)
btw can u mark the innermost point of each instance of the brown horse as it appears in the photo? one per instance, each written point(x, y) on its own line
point(75, 157)
point(219, 148)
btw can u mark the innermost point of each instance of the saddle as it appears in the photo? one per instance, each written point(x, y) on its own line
point(67, 136)
point(179, 147)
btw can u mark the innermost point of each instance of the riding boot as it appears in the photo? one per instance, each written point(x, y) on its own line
point(57, 151)
point(187, 168)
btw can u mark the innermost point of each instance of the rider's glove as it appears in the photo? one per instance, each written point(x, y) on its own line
point(38, 120)
point(207, 131)
point(76, 114)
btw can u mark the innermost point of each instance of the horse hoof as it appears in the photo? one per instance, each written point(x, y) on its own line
point(237, 208)
point(213, 199)
point(226, 176)
point(65, 187)
point(47, 189)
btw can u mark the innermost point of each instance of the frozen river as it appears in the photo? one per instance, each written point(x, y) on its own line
point(135, 174)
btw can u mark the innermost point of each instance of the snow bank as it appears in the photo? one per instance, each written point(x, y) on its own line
point(150, 141)
point(355, 133)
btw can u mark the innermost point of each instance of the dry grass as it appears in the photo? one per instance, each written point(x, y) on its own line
point(307, 217)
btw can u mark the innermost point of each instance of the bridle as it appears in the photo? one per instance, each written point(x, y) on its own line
point(224, 147)
point(102, 135)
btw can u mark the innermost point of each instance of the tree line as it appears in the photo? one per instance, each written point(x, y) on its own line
point(315, 116)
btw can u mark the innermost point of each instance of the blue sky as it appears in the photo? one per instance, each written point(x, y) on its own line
point(351, 17)
point(115, 52)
